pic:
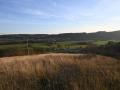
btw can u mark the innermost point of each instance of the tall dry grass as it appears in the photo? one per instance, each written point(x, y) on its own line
point(59, 72)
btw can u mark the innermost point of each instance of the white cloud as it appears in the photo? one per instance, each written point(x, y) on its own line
point(33, 12)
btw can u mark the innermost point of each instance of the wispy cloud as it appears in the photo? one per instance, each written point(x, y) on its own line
point(56, 9)
point(35, 12)
point(87, 14)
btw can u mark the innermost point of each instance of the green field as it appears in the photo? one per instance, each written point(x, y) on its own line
point(45, 45)
point(103, 42)
point(37, 48)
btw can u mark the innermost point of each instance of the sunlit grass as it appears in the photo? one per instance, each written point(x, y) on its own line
point(59, 72)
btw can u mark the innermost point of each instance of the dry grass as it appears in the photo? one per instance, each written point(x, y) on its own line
point(59, 72)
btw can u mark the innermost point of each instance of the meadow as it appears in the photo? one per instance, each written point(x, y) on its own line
point(101, 47)
point(18, 49)
point(59, 72)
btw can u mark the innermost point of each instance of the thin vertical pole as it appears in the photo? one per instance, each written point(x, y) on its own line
point(28, 51)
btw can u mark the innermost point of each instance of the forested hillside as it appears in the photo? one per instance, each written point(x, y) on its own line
point(61, 37)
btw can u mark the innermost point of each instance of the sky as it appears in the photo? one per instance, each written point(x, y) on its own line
point(58, 16)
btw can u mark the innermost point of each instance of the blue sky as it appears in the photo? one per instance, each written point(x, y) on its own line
point(59, 16)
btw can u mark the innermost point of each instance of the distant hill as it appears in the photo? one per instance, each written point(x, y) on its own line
point(102, 35)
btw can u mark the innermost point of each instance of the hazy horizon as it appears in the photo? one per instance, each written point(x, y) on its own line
point(55, 33)
point(58, 16)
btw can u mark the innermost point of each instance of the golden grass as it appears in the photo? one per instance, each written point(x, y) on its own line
point(59, 72)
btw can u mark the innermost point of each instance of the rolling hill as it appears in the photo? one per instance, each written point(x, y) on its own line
point(102, 35)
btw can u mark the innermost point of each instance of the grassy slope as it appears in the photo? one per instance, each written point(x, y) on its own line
point(59, 72)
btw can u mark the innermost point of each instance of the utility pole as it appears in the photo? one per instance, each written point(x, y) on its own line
point(28, 51)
